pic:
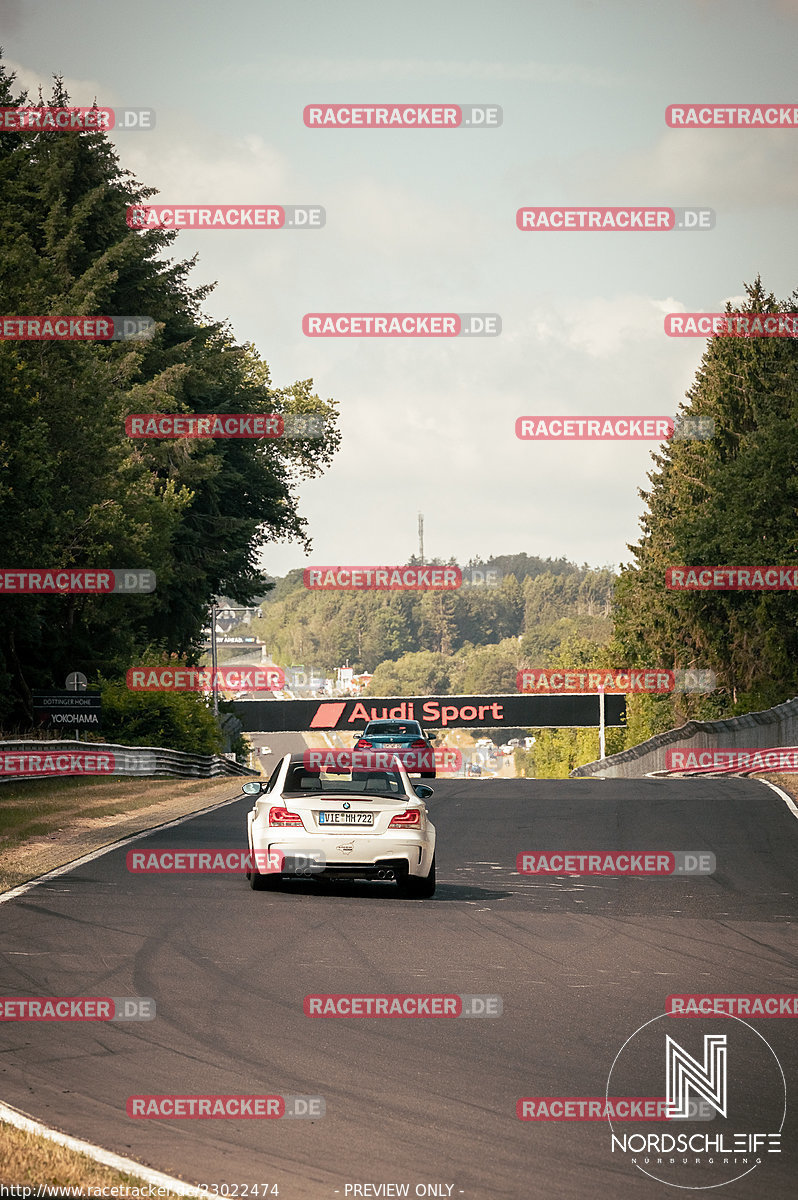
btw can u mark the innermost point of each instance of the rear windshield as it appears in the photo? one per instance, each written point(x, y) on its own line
point(394, 729)
point(300, 781)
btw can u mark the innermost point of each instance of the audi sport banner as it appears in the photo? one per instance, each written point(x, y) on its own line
point(432, 712)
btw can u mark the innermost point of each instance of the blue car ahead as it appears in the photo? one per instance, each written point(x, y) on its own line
point(414, 749)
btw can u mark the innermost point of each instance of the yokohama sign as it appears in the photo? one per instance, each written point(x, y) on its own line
point(432, 712)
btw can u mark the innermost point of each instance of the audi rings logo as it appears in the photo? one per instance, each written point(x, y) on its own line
point(734, 1071)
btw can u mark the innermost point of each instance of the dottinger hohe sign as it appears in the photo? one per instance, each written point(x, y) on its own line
point(77, 710)
point(432, 712)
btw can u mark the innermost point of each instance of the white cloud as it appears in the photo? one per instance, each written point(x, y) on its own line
point(723, 169)
point(81, 92)
point(599, 327)
point(199, 166)
point(292, 69)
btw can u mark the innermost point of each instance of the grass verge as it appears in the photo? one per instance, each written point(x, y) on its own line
point(47, 823)
point(30, 1160)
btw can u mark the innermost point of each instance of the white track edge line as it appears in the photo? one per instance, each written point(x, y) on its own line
point(13, 1116)
point(87, 858)
point(788, 800)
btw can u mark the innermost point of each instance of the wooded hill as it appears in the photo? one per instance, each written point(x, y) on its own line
point(538, 601)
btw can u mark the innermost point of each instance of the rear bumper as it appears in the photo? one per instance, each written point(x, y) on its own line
point(369, 858)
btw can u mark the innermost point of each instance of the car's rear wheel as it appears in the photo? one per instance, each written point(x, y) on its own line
point(413, 888)
point(262, 883)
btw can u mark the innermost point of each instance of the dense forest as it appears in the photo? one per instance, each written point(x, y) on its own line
point(535, 603)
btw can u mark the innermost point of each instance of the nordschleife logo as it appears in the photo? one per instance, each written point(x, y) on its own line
point(721, 1065)
point(683, 1075)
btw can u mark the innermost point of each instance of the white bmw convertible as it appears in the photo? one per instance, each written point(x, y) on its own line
point(341, 825)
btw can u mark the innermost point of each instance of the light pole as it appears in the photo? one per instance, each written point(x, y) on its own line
point(215, 686)
point(213, 662)
point(601, 724)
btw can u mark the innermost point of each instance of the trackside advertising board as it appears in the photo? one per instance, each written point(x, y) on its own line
point(78, 709)
point(432, 712)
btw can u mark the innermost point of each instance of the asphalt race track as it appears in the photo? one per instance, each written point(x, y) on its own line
point(580, 964)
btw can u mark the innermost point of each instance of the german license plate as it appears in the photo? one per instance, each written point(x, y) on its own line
point(346, 818)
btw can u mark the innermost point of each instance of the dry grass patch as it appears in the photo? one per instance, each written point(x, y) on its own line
point(30, 1159)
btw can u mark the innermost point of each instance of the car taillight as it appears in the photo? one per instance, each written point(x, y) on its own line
point(363, 745)
point(418, 744)
point(411, 816)
point(281, 816)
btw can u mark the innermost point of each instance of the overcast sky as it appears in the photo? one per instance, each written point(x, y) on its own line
point(424, 220)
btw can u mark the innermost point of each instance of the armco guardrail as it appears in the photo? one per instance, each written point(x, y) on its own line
point(122, 760)
point(777, 726)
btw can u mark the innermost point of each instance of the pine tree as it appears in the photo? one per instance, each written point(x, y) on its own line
point(75, 491)
point(730, 501)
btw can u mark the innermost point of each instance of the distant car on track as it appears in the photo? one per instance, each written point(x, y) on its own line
point(400, 735)
point(372, 826)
